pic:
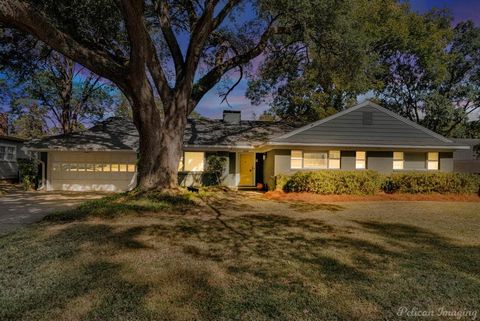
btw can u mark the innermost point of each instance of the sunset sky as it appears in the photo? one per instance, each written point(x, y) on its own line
point(210, 105)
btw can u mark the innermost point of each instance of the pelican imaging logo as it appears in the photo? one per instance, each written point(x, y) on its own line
point(449, 314)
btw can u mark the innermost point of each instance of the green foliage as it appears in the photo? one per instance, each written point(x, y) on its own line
point(28, 169)
point(417, 183)
point(335, 182)
point(370, 182)
point(216, 168)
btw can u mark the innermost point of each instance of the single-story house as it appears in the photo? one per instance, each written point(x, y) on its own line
point(366, 136)
point(11, 149)
point(466, 160)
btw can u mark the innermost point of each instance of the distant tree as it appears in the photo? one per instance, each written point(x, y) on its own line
point(439, 92)
point(31, 123)
point(68, 95)
point(343, 53)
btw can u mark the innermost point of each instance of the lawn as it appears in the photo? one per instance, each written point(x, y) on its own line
point(240, 256)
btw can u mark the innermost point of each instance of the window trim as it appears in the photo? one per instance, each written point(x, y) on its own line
point(395, 160)
point(296, 158)
point(435, 161)
point(364, 160)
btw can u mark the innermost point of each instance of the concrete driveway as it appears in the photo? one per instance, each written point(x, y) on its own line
point(22, 208)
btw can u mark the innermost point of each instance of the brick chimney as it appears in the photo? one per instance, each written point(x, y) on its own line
point(3, 124)
point(232, 116)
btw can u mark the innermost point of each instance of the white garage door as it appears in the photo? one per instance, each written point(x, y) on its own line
point(91, 171)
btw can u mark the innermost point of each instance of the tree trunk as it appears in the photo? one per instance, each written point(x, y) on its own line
point(161, 142)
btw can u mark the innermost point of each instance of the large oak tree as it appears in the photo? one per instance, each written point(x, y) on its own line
point(133, 43)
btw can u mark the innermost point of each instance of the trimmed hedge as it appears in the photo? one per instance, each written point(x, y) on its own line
point(335, 182)
point(420, 183)
point(371, 182)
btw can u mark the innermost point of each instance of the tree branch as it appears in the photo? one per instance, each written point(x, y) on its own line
point(20, 15)
point(161, 7)
point(215, 74)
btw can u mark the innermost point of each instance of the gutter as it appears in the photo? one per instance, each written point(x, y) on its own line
point(368, 146)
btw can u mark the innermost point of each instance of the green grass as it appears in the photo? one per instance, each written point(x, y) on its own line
point(152, 257)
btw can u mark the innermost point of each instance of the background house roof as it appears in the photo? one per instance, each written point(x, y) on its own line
point(119, 133)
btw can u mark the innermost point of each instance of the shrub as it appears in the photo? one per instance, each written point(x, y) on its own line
point(334, 182)
point(415, 183)
point(216, 168)
point(371, 182)
point(28, 169)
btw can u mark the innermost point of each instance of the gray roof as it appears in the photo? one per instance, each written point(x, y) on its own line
point(344, 129)
point(119, 133)
point(380, 128)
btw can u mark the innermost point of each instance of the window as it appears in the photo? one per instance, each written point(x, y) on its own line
point(296, 159)
point(98, 167)
point(334, 159)
point(106, 167)
point(89, 167)
point(432, 161)
point(194, 161)
point(81, 167)
point(114, 167)
point(131, 168)
point(398, 160)
point(315, 160)
point(7, 153)
point(361, 160)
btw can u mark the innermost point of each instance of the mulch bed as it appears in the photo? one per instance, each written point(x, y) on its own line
point(316, 198)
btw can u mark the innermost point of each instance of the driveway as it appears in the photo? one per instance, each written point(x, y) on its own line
point(22, 208)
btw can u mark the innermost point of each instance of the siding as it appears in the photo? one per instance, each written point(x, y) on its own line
point(380, 161)
point(350, 129)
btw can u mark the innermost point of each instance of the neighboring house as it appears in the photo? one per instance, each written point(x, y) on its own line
point(466, 160)
point(366, 136)
point(11, 149)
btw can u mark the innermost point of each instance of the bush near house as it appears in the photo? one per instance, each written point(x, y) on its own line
point(335, 182)
point(28, 170)
point(370, 182)
point(417, 183)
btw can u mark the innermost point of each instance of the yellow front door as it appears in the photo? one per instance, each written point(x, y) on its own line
point(246, 169)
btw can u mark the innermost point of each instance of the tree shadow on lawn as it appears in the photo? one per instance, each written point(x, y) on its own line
point(278, 267)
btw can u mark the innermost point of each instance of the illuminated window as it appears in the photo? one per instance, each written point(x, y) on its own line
point(398, 160)
point(361, 160)
point(98, 167)
point(334, 159)
point(81, 167)
point(115, 167)
point(105, 167)
point(432, 161)
point(89, 167)
point(315, 160)
point(131, 168)
point(123, 167)
point(194, 161)
point(296, 159)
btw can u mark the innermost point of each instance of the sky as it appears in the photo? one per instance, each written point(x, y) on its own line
point(212, 107)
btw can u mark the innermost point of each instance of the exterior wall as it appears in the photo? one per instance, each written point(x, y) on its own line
point(466, 161)
point(278, 162)
point(9, 169)
point(91, 181)
point(347, 160)
point(380, 161)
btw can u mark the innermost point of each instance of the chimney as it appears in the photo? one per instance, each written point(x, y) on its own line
point(232, 116)
point(3, 124)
